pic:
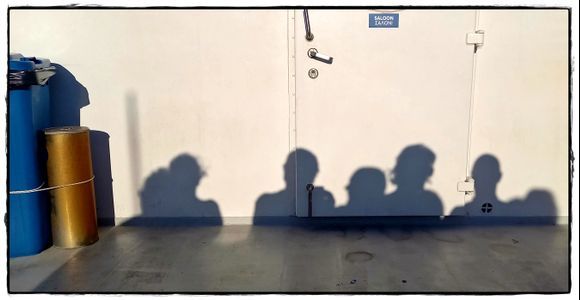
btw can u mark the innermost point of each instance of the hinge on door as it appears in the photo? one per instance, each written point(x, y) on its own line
point(467, 186)
point(475, 38)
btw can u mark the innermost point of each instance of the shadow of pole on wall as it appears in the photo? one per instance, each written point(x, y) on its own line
point(133, 140)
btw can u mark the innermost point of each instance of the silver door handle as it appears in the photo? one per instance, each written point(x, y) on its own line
point(314, 54)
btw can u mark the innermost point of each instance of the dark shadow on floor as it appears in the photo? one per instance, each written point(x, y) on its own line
point(282, 260)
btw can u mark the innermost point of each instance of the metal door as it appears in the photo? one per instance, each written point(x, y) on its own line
point(382, 130)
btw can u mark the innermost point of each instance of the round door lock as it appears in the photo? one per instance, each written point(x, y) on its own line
point(313, 73)
point(312, 52)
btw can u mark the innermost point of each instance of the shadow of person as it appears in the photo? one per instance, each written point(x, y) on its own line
point(366, 194)
point(413, 169)
point(300, 169)
point(171, 193)
point(170, 210)
point(538, 202)
point(487, 174)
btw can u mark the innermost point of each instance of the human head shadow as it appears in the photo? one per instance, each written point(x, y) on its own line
point(413, 169)
point(366, 193)
point(536, 200)
point(67, 97)
point(487, 174)
point(300, 169)
point(103, 182)
point(169, 197)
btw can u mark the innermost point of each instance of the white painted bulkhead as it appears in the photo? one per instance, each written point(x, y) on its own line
point(225, 95)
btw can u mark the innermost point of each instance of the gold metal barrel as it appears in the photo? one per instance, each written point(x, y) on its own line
point(69, 168)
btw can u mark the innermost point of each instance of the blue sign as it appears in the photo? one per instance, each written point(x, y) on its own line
point(383, 20)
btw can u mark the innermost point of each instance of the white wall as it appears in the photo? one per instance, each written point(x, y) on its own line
point(521, 104)
point(214, 85)
point(161, 83)
point(387, 89)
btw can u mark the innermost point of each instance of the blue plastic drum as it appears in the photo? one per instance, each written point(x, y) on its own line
point(28, 111)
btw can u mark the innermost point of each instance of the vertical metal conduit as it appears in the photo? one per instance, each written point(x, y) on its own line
point(309, 35)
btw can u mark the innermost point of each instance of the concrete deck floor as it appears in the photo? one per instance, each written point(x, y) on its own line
point(239, 258)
